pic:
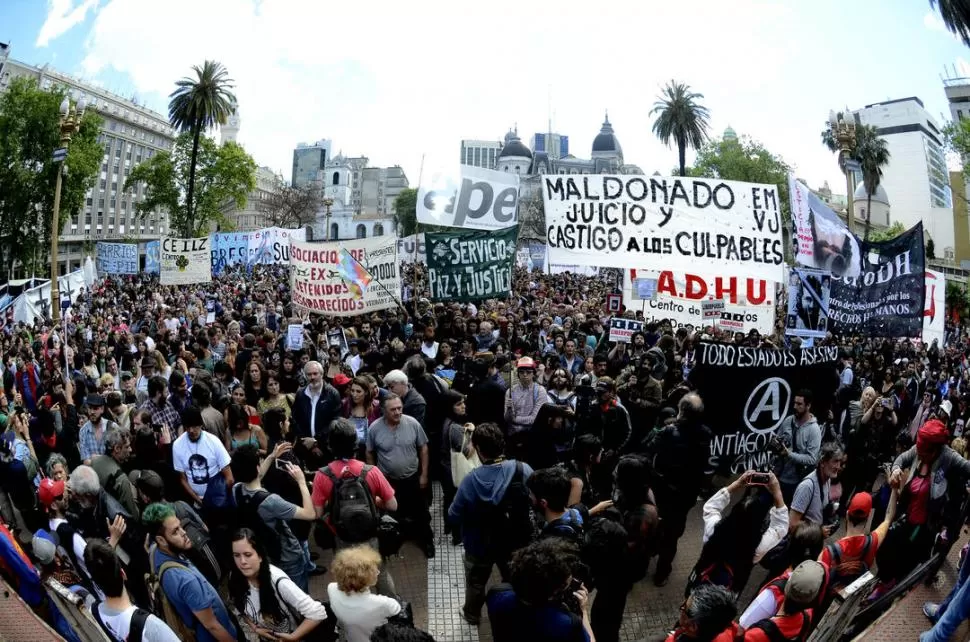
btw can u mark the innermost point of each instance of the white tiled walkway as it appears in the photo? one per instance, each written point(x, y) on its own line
point(446, 584)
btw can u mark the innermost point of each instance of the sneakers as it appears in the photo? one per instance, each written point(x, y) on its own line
point(930, 610)
point(660, 578)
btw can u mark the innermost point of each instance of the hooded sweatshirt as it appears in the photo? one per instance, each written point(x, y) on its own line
point(804, 445)
point(484, 485)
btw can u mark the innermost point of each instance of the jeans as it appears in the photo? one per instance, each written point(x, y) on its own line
point(953, 610)
point(307, 561)
point(477, 572)
point(300, 578)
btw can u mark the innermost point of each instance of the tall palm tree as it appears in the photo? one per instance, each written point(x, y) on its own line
point(870, 152)
point(956, 17)
point(196, 105)
point(680, 118)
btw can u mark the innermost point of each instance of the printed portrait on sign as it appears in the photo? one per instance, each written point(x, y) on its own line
point(831, 244)
point(808, 303)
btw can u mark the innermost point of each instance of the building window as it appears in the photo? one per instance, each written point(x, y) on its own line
point(378, 230)
point(334, 231)
point(336, 178)
point(361, 231)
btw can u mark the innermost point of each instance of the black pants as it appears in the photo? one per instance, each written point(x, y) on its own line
point(606, 614)
point(448, 492)
point(906, 547)
point(412, 509)
point(673, 508)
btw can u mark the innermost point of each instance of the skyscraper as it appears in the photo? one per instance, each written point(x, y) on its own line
point(916, 178)
point(309, 160)
point(131, 134)
point(556, 146)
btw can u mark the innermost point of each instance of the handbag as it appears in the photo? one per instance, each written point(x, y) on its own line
point(462, 465)
point(405, 616)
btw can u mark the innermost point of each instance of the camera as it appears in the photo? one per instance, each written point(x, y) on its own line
point(759, 479)
point(569, 600)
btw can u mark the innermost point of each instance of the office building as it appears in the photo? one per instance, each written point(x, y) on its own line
point(309, 160)
point(131, 134)
point(916, 178)
point(252, 216)
point(480, 153)
point(555, 145)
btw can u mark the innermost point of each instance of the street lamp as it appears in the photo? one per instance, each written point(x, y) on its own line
point(70, 124)
point(843, 131)
point(328, 203)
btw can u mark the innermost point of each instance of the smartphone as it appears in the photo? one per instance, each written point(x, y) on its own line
point(759, 479)
point(887, 403)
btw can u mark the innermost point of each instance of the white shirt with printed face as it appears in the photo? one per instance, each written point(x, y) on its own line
point(200, 460)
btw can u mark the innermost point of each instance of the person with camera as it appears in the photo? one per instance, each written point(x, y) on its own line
point(542, 601)
point(796, 444)
point(812, 498)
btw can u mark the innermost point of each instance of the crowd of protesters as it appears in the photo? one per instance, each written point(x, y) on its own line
point(176, 462)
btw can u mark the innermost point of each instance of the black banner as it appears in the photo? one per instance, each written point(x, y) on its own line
point(748, 392)
point(886, 300)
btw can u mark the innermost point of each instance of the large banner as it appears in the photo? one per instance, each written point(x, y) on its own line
point(748, 392)
point(886, 299)
point(344, 278)
point(748, 303)
point(228, 248)
point(820, 239)
point(153, 250)
point(117, 258)
point(471, 265)
point(470, 197)
point(664, 223)
point(808, 303)
point(271, 246)
point(934, 308)
point(36, 302)
point(185, 261)
point(411, 249)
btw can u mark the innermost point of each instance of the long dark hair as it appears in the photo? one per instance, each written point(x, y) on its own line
point(736, 537)
point(269, 606)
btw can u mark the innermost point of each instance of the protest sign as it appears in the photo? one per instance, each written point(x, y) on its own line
point(294, 336)
point(271, 245)
point(712, 310)
point(748, 393)
point(664, 223)
point(646, 289)
point(152, 257)
point(748, 303)
point(117, 258)
point(185, 261)
point(344, 278)
point(622, 330)
point(471, 265)
point(821, 240)
point(336, 337)
point(808, 303)
point(934, 308)
point(469, 197)
point(886, 299)
point(229, 248)
point(411, 249)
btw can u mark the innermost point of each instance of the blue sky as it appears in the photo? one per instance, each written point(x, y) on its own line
point(399, 83)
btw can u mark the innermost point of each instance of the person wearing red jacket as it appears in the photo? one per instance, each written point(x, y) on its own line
point(707, 615)
point(793, 621)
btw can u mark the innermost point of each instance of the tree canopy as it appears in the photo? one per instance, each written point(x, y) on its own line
point(224, 174)
point(681, 119)
point(405, 212)
point(288, 206)
point(29, 134)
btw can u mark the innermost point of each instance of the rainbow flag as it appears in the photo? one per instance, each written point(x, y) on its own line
point(353, 273)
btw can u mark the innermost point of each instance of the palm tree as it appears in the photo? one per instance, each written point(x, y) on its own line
point(956, 17)
point(870, 152)
point(196, 105)
point(681, 118)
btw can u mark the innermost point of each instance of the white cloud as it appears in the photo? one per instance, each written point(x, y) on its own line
point(62, 15)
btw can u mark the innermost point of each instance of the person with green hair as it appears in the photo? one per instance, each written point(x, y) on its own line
point(197, 602)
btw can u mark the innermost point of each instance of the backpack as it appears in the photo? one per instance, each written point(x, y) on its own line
point(64, 536)
point(507, 526)
point(135, 630)
point(774, 633)
point(569, 526)
point(353, 513)
point(248, 516)
point(205, 557)
point(159, 601)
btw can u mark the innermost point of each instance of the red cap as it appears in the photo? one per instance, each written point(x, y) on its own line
point(49, 491)
point(932, 433)
point(860, 506)
point(341, 379)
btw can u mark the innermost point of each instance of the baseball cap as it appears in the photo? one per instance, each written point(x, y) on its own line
point(43, 547)
point(805, 582)
point(341, 379)
point(49, 491)
point(94, 400)
point(860, 506)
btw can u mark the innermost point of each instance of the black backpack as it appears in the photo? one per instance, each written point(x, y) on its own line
point(136, 629)
point(248, 516)
point(508, 526)
point(353, 512)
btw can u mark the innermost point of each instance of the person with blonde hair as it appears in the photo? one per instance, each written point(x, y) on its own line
point(358, 610)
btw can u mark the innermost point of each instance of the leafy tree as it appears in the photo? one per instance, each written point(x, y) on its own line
point(956, 298)
point(406, 212)
point(29, 134)
point(956, 135)
point(887, 234)
point(744, 160)
point(223, 174)
point(681, 119)
point(288, 206)
point(198, 104)
point(930, 249)
point(956, 17)
point(872, 154)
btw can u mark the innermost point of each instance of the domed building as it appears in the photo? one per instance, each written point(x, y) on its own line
point(730, 136)
point(606, 157)
point(515, 157)
point(879, 217)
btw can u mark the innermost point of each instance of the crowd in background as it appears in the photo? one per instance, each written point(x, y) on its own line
point(175, 463)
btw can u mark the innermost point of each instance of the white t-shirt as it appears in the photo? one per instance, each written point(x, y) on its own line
point(200, 461)
point(360, 613)
point(118, 624)
point(172, 324)
point(430, 351)
point(289, 592)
